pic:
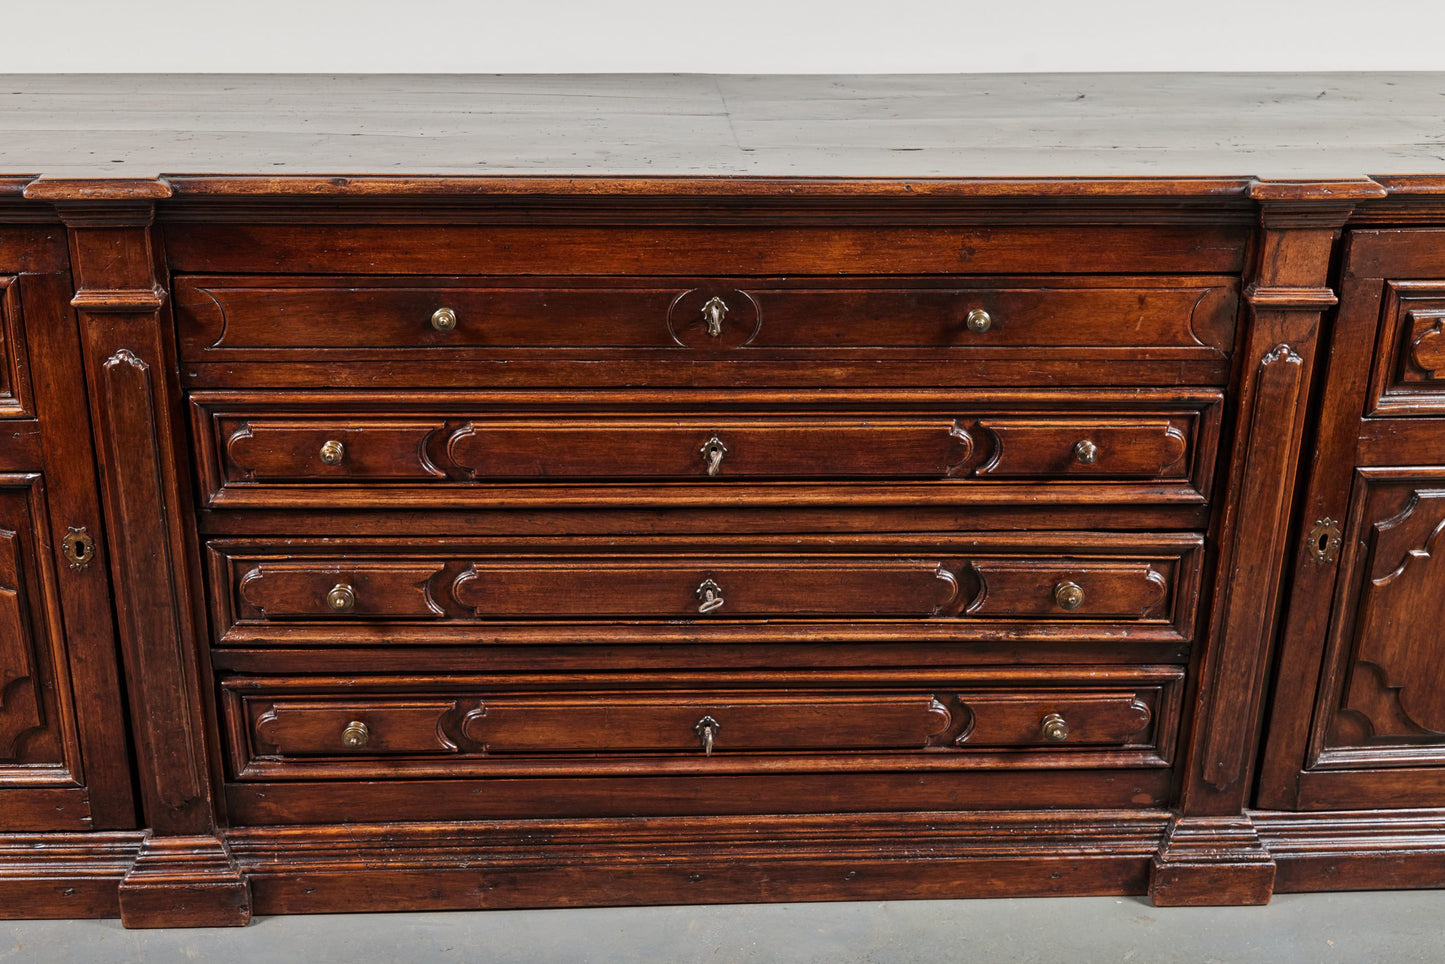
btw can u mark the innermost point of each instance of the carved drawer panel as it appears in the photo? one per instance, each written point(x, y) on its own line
point(233, 315)
point(309, 450)
point(663, 326)
point(313, 593)
point(14, 368)
point(296, 727)
point(1408, 376)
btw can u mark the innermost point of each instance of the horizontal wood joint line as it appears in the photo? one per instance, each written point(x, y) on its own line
point(1302, 298)
point(97, 189)
point(122, 300)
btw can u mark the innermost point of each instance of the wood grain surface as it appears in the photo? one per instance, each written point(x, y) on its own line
point(1215, 130)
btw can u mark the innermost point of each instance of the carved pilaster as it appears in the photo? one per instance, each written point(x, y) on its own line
point(1287, 295)
point(184, 875)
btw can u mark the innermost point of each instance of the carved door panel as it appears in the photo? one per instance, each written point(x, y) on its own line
point(63, 758)
point(1358, 716)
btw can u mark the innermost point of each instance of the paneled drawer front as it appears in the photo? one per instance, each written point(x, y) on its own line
point(1408, 375)
point(14, 366)
point(306, 726)
point(259, 449)
point(230, 318)
point(360, 595)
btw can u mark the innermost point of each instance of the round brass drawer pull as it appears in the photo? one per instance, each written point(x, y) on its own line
point(444, 319)
point(1086, 451)
point(332, 452)
point(1055, 728)
point(356, 735)
point(341, 598)
point(978, 321)
point(1069, 595)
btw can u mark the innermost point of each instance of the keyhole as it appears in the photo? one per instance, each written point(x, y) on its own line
point(1324, 542)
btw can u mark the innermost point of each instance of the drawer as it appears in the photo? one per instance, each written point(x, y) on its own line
point(294, 727)
point(1408, 374)
point(313, 593)
point(669, 326)
point(306, 450)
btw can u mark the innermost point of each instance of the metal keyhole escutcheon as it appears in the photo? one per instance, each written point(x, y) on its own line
point(712, 452)
point(710, 597)
point(78, 547)
point(706, 730)
point(714, 311)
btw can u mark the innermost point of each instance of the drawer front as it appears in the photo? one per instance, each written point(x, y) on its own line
point(313, 594)
point(666, 331)
point(223, 318)
point(387, 726)
point(1408, 375)
point(14, 368)
point(303, 450)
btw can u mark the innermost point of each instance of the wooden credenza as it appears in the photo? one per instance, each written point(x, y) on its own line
point(498, 492)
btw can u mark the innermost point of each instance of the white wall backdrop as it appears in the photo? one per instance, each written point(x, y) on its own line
point(793, 36)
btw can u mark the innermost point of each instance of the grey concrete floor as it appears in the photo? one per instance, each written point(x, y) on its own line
point(1396, 928)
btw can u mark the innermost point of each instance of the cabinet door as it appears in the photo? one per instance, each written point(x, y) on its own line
point(1358, 719)
point(63, 757)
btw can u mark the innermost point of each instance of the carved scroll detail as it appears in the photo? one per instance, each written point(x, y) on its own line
point(965, 445)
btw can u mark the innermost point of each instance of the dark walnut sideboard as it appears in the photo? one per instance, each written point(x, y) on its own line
point(457, 492)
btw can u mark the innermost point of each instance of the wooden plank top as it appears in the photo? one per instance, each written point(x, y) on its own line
point(1211, 133)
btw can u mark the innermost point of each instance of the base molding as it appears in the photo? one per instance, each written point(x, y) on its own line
point(696, 860)
point(64, 875)
point(1360, 850)
point(204, 881)
point(184, 882)
point(1210, 861)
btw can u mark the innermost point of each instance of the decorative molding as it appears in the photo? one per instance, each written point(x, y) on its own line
point(1290, 298)
point(123, 301)
point(121, 189)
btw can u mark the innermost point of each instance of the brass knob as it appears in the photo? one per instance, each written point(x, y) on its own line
point(443, 319)
point(1055, 728)
point(1069, 595)
point(333, 452)
point(341, 598)
point(1086, 451)
point(355, 735)
point(714, 311)
point(978, 320)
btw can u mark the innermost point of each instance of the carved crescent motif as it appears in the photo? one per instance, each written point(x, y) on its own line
point(1428, 351)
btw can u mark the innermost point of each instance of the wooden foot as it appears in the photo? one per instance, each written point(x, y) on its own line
point(1210, 861)
point(184, 882)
